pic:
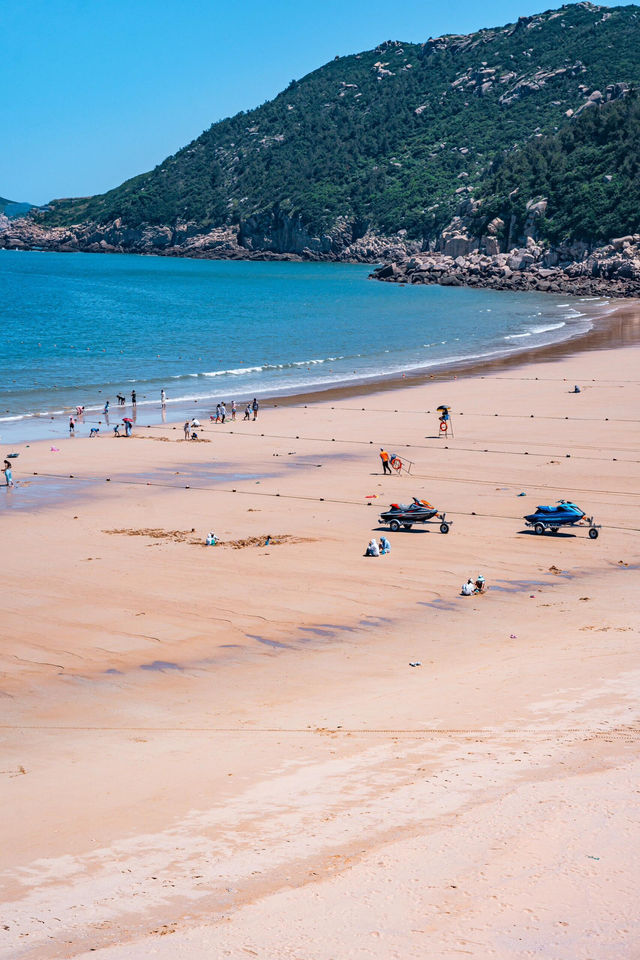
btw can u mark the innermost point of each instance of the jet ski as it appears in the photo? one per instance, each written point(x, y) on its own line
point(564, 514)
point(406, 514)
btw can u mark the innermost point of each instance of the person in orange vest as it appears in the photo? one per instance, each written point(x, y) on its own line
point(384, 456)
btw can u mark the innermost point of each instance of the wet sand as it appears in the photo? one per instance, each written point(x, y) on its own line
point(224, 751)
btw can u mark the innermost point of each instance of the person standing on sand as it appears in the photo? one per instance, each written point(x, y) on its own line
point(384, 456)
point(247, 412)
point(8, 473)
point(186, 429)
point(72, 427)
point(106, 409)
point(255, 406)
point(223, 412)
point(233, 410)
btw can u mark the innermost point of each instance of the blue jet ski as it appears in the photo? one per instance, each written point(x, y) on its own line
point(564, 514)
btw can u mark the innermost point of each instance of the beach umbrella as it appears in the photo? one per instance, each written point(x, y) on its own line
point(444, 406)
point(127, 420)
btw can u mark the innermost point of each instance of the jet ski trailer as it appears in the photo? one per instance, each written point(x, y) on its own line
point(564, 514)
point(405, 515)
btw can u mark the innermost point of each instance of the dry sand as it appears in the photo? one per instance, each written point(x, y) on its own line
point(218, 752)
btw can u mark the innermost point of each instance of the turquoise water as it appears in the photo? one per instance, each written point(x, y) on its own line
point(79, 328)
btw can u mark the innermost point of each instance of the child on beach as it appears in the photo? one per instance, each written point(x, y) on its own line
point(94, 431)
point(247, 412)
point(72, 427)
point(233, 410)
point(8, 473)
point(186, 429)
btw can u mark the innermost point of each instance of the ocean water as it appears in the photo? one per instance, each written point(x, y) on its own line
point(79, 328)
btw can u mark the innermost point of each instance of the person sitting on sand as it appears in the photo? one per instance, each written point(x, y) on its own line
point(194, 435)
point(385, 546)
point(576, 389)
point(372, 549)
point(480, 585)
point(468, 588)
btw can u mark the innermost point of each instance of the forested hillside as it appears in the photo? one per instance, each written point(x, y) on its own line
point(461, 143)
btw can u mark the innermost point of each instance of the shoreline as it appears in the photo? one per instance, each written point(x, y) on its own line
point(618, 325)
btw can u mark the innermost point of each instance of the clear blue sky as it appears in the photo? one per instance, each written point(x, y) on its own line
point(95, 91)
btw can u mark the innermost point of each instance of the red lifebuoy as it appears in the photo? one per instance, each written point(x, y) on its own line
point(396, 463)
point(443, 426)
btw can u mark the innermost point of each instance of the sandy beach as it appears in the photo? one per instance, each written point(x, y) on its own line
point(225, 752)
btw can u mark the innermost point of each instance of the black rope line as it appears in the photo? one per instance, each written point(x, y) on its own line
point(308, 499)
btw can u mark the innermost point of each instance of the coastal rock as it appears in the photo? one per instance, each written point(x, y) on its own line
point(612, 270)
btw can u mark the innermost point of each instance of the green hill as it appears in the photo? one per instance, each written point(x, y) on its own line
point(391, 139)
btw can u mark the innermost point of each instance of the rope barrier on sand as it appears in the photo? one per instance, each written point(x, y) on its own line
point(422, 446)
point(628, 734)
point(299, 497)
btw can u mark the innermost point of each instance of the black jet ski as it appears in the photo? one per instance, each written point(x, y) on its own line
point(406, 514)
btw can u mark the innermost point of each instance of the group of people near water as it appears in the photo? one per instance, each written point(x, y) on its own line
point(220, 415)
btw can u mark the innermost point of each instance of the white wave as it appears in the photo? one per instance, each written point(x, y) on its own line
point(544, 328)
point(516, 336)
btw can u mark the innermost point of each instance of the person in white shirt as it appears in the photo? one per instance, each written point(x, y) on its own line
point(372, 550)
point(468, 588)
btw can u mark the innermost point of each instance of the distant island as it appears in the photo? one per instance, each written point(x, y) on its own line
point(12, 208)
point(521, 141)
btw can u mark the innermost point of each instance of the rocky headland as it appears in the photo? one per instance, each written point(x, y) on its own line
point(258, 238)
point(611, 270)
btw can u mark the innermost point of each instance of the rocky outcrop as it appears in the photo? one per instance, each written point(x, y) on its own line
point(611, 270)
point(267, 237)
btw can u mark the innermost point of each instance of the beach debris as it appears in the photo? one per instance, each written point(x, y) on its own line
point(554, 569)
point(415, 663)
point(522, 494)
point(591, 857)
point(55, 449)
point(513, 636)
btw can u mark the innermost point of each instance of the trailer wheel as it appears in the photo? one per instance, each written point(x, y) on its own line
point(394, 525)
point(407, 526)
point(539, 528)
point(444, 528)
point(593, 533)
